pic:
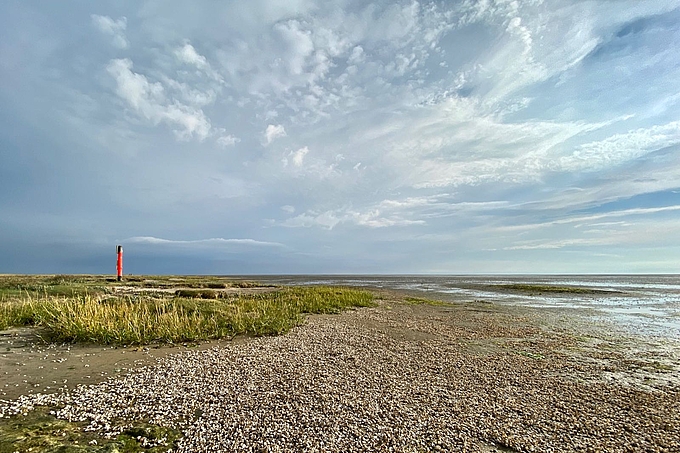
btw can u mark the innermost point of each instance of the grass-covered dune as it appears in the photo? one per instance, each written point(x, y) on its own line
point(88, 309)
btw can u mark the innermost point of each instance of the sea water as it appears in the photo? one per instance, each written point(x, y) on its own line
point(641, 304)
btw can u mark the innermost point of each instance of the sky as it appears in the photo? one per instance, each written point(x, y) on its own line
point(301, 136)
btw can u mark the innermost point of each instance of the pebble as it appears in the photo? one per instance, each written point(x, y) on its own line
point(360, 381)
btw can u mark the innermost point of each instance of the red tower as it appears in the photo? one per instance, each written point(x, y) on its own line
point(119, 262)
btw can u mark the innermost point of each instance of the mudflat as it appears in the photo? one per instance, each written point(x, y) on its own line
point(28, 365)
point(406, 375)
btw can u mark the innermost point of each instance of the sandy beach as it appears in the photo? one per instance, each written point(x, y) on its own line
point(401, 376)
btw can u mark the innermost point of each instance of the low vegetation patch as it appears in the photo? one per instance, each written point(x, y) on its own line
point(548, 289)
point(200, 293)
point(41, 432)
point(36, 286)
point(142, 319)
point(222, 284)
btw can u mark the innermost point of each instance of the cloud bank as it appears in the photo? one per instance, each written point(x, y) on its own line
point(407, 136)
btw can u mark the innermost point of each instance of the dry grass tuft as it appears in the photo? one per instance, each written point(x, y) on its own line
point(191, 315)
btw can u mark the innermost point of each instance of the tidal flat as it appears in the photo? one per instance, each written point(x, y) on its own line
point(401, 373)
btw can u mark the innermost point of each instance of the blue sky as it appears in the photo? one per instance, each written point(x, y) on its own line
point(340, 137)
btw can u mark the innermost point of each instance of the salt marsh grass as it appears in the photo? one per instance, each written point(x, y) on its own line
point(549, 289)
point(140, 319)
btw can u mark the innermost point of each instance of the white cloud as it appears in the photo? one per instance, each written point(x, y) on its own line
point(190, 93)
point(437, 205)
point(113, 28)
point(641, 230)
point(299, 45)
point(517, 59)
point(327, 219)
point(288, 208)
point(273, 132)
point(187, 54)
point(227, 140)
point(458, 142)
point(148, 99)
point(330, 219)
point(562, 243)
point(389, 213)
point(299, 156)
point(588, 218)
point(357, 56)
point(621, 148)
point(208, 242)
point(295, 63)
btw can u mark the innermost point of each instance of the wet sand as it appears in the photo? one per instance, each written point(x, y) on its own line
point(29, 366)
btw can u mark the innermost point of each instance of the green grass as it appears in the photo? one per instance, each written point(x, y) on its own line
point(41, 432)
point(22, 288)
point(18, 286)
point(547, 288)
point(531, 355)
point(106, 319)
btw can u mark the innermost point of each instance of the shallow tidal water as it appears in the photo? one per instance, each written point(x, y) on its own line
point(647, 305)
